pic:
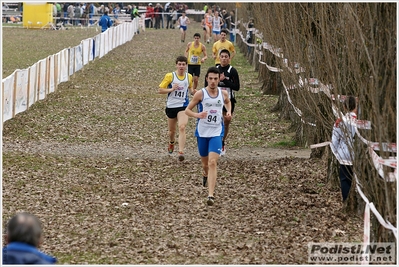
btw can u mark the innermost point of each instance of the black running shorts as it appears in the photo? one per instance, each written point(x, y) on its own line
point(172, 112)
point(194, 70)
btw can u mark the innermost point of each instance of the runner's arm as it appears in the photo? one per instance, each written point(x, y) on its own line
point(187, 49)
point(234, 81)
point(190, 84)
point(163, 86)
point(214, 51)
point(205, 54)
point(189, 109)
point(232, 53)
point(227, 102)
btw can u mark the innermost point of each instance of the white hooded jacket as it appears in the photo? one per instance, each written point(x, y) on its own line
point(342, 139)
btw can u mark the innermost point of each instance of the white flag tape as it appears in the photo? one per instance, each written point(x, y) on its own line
point(366, 235)
point(387, 147)
point(387, 225)
point(389, 177)
point(320, 145)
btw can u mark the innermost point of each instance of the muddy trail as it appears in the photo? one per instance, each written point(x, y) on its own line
point(91, 161)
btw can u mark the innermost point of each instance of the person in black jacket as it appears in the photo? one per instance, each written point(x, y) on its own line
point(230, 81)
point(24, 236)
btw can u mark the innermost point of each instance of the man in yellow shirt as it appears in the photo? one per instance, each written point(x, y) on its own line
point(222, 44)
point(177, 86)
point(193, 54)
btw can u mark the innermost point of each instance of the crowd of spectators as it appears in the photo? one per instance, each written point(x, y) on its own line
point(155, 17)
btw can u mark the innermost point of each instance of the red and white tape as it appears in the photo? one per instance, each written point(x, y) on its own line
point(381, 220)
point(366, 234)
point(387, 147)
point(390, 176)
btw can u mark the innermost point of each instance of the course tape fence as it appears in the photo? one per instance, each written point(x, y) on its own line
point(360, 124)
point(23, 88)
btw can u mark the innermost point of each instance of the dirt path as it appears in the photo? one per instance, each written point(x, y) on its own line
point(144, 151)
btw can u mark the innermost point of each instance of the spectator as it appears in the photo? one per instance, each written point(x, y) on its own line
point(249, 37)
point(101, 10)
point(58, 7)
point(105, 21)
point(232, 26)
point(174, 18)
point(162, 16)
point(71, 13)
point(226, 19)
point(54, 11)
point(148, 16)
point(110, 8)
point(179, 11)
point(65, 9)
point(92, 9)
point(158, 10)
point(78, 14)
point(116, 11)
point(342, 145)
point(135, 12)
point(169, 16)
point(24, 237)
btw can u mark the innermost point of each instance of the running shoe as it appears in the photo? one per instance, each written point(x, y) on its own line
point(223, 152)
point(204, 181)
point(210, 201)
point(171, 147)
point(181, 156)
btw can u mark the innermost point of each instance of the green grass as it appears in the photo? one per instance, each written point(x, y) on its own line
point(24, 47)
point(287, 143)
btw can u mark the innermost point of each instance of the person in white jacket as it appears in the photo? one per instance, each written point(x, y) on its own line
point(342, 144)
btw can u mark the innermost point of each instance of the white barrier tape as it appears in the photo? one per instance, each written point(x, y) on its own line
point(297, 69)
point(297, 110)
point(387, 225)
point(377, 161)
point(389, 162)
point(341, 98)
point(359, 124)
point(363, 124)
point(382, 221)
point(326, 89)
point(275, 51)
point(244, 40)
point(366, 234)
point(273, 69)
point(390, 176)
point(387, 147)
point(319, 145)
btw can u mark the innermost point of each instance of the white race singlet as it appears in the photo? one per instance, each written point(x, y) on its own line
point(179, 97)
point(217, 24)
point(213, 124)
